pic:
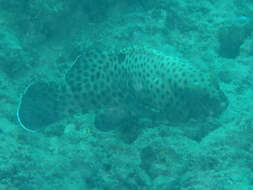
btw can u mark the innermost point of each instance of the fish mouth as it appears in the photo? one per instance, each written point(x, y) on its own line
point(215, 106)
point(205, 106)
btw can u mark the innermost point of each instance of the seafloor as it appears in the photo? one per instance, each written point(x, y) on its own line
point(40, 39)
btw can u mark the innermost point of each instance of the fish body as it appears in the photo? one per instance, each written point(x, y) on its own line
point(141, 81)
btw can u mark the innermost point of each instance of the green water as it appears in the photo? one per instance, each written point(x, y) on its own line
point(128, 145)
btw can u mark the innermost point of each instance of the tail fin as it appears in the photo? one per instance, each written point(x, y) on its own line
point(39, 106)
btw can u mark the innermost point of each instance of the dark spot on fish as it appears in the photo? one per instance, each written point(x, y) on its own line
point(101, 84)
point(84, 94)
point(106, 66)
point(92, 78)
point(94, 66)
point(95, 87)
point(121, 57)
point(75, 88)
point(77, 96)
point(93, 101)
point(95, 56)
point(92, 70)
point(83, 110)
point(85, 73)
point(114, 94)
point(85, 80)
point(97, 75)
point(179, 69)
point(87, 85)
point(69, 80)
point(91, 93)
point(182, 96)
point(64, 90)
point(87, 66)
point(161, 65)
point(185, 82)
point(108, 78)
point(100, 62)
point(78, 77)
point(115, 67)
point(120, 94)
point(71, 111)
point(103, 93)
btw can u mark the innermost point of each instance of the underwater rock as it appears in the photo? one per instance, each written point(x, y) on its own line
point(11, 54)
point(110, 118)
point(231, 37)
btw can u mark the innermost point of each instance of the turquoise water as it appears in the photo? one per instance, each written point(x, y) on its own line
point(57, 132)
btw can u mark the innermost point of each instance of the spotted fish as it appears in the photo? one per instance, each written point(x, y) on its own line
point(140, 81)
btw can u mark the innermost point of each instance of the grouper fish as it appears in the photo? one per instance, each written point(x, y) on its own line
point(141, 82)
